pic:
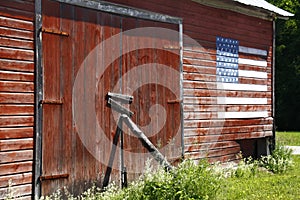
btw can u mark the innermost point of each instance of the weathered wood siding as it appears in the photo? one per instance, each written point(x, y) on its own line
point(16, 96)
point(205, 133)
point(75, 153)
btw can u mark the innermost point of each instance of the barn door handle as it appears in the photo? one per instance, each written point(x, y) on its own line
point(55, 102)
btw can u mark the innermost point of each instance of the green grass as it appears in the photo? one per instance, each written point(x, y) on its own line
point(191, 182)
point(267, 185)
point(288, 138)
point(264, 185)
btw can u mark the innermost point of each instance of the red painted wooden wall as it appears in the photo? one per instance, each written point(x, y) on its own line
point(16, 96)
point(205, 134)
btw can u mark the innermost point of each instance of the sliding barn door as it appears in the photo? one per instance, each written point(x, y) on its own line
point(86, 54)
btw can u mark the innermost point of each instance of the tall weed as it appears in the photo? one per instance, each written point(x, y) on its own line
point(279, 161)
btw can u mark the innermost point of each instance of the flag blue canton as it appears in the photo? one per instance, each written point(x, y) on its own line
point(227, 60)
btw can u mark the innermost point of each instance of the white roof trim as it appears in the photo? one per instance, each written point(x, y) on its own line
point(267, 6)
point(255, 8)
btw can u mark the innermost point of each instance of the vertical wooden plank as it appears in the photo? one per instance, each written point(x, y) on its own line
point(51, 154)
point(89, 88)
point(78, 57)
point(67, 79)
point(100, 96)
point(129, 60)
point(116, 24)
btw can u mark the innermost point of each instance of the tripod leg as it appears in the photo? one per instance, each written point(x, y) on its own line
point(147, 143)
point(112, 154)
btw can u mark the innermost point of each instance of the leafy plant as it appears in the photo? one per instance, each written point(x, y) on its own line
point(247, 168)
point(188, 181)
point(279, 161)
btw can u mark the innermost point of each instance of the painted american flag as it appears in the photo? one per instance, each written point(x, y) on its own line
point(229, 75)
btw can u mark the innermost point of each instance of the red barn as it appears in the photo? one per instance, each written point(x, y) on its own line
point(191, 78)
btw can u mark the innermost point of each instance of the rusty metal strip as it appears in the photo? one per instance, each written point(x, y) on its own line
point(55, 32)
point(52, 177)
point(174, 101)
point(56, 102)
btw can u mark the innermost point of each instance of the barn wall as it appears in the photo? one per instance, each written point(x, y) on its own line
point(205, 133)
point(16, 96)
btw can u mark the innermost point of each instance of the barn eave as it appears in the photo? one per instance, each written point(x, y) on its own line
point(254, 8)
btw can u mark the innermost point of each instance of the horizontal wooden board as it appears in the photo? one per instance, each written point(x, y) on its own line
point(18, 192)
point(16, 24)
point(19, 5)
point(16, 121)
point(253, 51)
point(253, 74)
point(226, 123)
point(207, 146)
point(226, 130)
point(243, 115)
point(16, 65)
point(16, 179)
point(245, 76)
point(16, 43)
point(199, 100)
point(206, 100)
point(14, 133)
point(220, 159)
point(15, 168)
point(210, 68)
point(16, 14)
point(225, 86)
point(199, 76)
point(213, 152)
point(16, 144)
point(192, 92)
point(209, 53)
point(16, 76)
point(16, 86)
point(16, 109)
point(22, 98)
point(226, 158)
point(16, 156)
point(200, 115)
point(15, 33)
point(253, 62)
point(222, 108)
point(226, 137)
point(17, 54)
point(242, 101)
